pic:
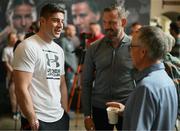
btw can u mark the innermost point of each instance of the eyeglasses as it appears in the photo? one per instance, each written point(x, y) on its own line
point(133, 46)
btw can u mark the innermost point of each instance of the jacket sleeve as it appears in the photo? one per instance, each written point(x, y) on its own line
point(88, 75)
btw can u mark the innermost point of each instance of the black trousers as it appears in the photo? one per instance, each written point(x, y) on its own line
point(100, 119)
point(62, 124)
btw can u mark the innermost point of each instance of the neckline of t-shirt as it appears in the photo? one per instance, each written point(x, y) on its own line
point(43, 42)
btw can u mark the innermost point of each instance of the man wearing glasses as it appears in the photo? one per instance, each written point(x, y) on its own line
point(153, 104)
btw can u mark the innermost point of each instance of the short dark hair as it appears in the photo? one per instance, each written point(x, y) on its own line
point(49, 9)
point(154, 39)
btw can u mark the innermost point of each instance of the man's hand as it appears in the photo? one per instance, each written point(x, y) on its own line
point(118, 105)
point(34, 125)
point(89, 124)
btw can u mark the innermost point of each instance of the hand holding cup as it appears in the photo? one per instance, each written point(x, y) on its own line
point(114, 109)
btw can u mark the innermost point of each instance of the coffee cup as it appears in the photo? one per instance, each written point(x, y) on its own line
point(113, 115)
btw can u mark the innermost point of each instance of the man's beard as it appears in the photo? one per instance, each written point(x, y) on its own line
point(111, 33)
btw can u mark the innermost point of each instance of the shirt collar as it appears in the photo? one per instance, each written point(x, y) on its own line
point(139, 75)
point(124, 40)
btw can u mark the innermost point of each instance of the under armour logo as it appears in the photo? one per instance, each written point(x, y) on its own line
point(52, 61)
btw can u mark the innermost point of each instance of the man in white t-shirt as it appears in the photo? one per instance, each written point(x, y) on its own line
point(39, 75)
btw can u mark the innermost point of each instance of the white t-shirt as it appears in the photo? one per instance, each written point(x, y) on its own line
point(46, 62)
point(7, 56)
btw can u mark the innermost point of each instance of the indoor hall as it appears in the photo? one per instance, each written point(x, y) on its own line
point(159, 13)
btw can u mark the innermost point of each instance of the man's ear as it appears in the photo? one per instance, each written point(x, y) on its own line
point(143, 52)
point(124, 22)
point(41, 19)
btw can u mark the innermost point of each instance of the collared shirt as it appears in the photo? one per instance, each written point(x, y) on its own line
point(110, 69)
point(153, 104)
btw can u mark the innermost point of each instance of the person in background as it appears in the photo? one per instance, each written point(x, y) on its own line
point(19, 15)
point(83, 13)
point(95, 33)
point(7, 58)
point(175, 32)
point(153, 104)
point(72, 33)
point(71, 62)
point(170, 44)
point(39, 75)
point(134, 28)
point(172, 67)
point(107, 71)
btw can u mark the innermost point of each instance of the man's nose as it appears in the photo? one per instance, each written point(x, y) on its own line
point(108, 26)
point(60, 24)
point(23, 21)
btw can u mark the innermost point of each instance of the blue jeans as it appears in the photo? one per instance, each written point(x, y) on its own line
point(62, 124)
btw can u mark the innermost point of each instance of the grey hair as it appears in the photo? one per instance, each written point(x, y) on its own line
point(122, 12)
point(153, 38)
point(170, 42)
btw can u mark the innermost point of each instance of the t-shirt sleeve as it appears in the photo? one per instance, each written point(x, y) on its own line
point(4, 55)
point(24, 58)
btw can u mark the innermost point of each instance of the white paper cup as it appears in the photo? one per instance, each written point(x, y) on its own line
point(112, 113)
